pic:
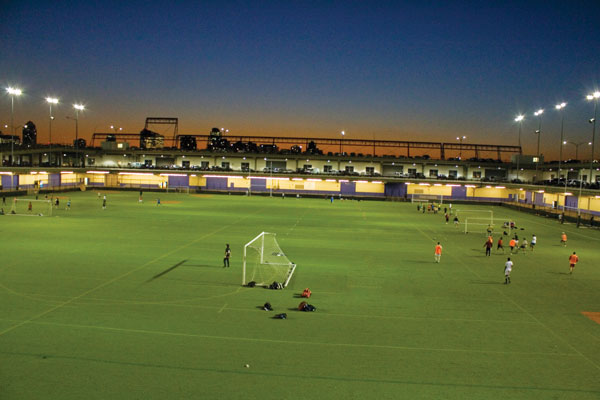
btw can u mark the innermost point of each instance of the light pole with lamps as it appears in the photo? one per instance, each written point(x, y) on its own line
point(77, 107)
point(50, 101)
point(341, 140)
point(12, 92)
point(594, 96)
point(519, 119)
point(460, 139)
point(559, 107)
point(114, 128)
point(538, 114)
point(576, 147)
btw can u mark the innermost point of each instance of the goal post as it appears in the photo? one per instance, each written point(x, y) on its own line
point(477, 225)
point(264, 262)
point(474, 213)
point(38, 207)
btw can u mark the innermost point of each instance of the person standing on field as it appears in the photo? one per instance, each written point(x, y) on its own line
point(563, 239)
point(572, 261)
point(104, 202)
point(533, 241)
point(227, 255)
point(438, 252)
point(507, 268)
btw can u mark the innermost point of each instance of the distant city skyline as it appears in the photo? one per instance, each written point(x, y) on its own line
point(375, 71)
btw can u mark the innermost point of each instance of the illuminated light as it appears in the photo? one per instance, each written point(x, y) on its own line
point(33, 173)
point(344, 180)
point(571, 194)
point(520, 188)
point(42, 173)
point(314, 180)
point(361, 181)
point(173, 175)
point(539, 112)
point(519, 118)
point(470, 186)
point(260, 177)
point(66, 172)
point(298, 179)
point(52, 100)
point(452, 185)
point(437, 184)
point(79, 107)
point(596, 197)
point(14, 91)
point(98, 172)
point(424, 184)
point(194, 175)
point(137, 173)
point(377, 182)
point(406, 183)
point(225, 176)
point(488, 187)
point(330, 180)
point(5, 173)
point(500, 187)
point(540, 191)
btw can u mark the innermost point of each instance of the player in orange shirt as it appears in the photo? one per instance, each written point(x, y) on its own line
point(512, 245)
point(563, 239)
point(438, 252)
point(572, 261)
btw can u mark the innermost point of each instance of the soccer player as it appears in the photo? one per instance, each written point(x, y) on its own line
point(533, 241)
point(456, 221)
point(227, 255)
point(563, 239)
point(488, 247)
point(438, 252)
point(500, 245)
point(29, 207)
point(572, 261)
point(524, 245)
point(512, 245)
point(141, 197)
point(447, 217)
point(104, 202)
point(158, 202)
point(507, 268)
point(68, 204)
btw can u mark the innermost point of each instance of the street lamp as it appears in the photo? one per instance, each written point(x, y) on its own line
point(576, 147)
point(460, 138)
point(77, 107)
point(341, 140)
point(50, 101)
point(538, 114)
point(594, 96)
point(519, 119)
point(114, 128)
point(12, 92)
point(559, 107)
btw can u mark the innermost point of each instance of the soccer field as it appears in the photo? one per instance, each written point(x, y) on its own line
point(133, 302)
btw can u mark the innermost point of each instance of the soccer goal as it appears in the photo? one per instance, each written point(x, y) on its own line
point(426, 198)
point(38, 207)
point(478, 225)
point(264, 262)
point(472, 213)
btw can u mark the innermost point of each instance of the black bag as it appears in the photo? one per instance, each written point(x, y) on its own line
point(267, 307)
point(280, 316)
point(251, 284)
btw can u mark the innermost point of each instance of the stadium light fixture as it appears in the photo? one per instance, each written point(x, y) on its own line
point(594, 96)
point(538, 114)
point(559, 108)
point(51, 101)
point(12, 92)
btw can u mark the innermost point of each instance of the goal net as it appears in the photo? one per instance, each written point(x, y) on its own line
point(474, 213)
point(264, 262)
point(433, 198)
point(38, 207)
point(478, 225)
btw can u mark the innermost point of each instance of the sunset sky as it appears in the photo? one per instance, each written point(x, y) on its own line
point(413, 70)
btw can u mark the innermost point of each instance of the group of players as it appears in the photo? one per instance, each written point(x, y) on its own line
point(514, 248)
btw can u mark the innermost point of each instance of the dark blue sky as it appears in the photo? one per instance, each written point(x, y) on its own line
point(418, 70)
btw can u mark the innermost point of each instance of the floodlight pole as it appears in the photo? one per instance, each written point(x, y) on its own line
point(593, 137)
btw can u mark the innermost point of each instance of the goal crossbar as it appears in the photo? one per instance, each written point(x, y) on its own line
point(20, 206)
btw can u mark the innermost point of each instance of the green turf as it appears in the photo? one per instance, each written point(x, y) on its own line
point(81, 316)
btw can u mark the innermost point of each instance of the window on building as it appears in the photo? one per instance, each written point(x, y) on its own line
point(245, 166)
point(349, 168)
point(370, 170)
point(204, 164)
point(327, 168)
point(225, 164)
point(185, 164)
point(452, 174)
point(476, 174)
point(433, 173)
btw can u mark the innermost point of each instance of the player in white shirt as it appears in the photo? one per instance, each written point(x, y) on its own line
point(533, 242)
point(507, 268)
